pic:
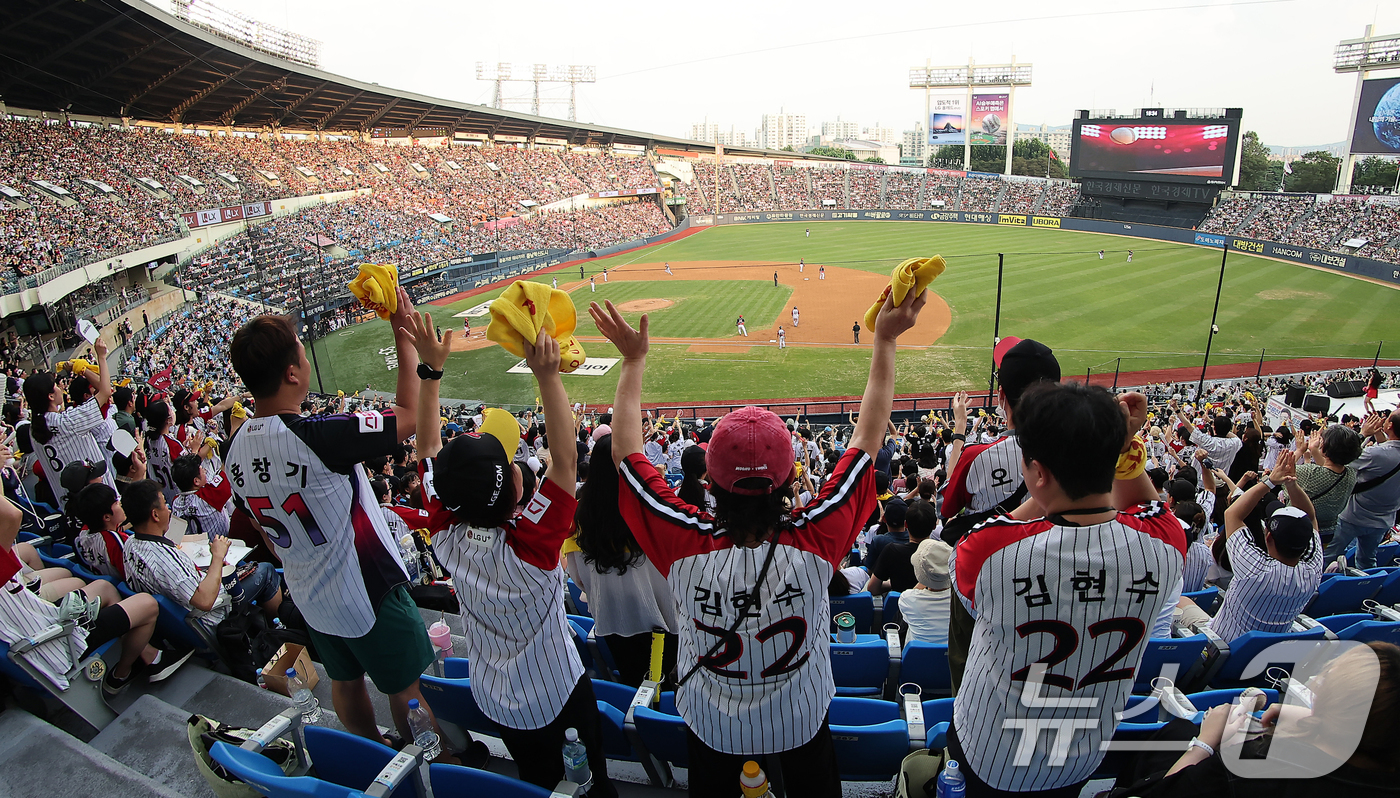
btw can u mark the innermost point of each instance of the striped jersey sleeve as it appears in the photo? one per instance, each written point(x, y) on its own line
point(666, 528)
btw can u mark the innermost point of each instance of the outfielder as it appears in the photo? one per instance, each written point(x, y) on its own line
point(744, 331)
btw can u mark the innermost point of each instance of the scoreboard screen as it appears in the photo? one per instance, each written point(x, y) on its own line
point(1165, 150)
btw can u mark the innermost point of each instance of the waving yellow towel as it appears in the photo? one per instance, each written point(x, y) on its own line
point(78, 366)
point(376, 286)
point(524, 309)
point(909, 278)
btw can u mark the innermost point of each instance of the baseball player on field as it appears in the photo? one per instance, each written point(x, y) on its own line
point(749, 579)
point(782, 339)
point(794, 315)
point(302, 483)
point(63, 436)
point(500, 539)
point(744, 331)
point(821, 272)
point(1065, 593)
point(668, 268)
point(801, 265)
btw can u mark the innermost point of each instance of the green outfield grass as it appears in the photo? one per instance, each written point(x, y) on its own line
point(1154, 313)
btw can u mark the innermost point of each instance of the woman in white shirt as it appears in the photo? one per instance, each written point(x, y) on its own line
point(926, 607)
point(626, 595)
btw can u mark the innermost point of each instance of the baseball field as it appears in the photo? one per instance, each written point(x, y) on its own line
point(1153, 313)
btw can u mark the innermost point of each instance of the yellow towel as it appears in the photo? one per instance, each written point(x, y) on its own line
point(376, 286)
point(524, 309)
point(238, 411)
point(125, 382)
point(909, 278)
point(78, 365)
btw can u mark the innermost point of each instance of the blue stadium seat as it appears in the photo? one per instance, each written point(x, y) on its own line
point(1387, 554)
point(1178, 659)
point(1389, 594)
point(1363, 628)
point(938, 716)
point(350, 760)
point(926, 665)
point(870, 737)
point(861, 668)
point(1246, 647)
point(664, 733)
point(1337, 623)
point(454, 780)
point(1208, 600)
point(597, 659)
point(266, 776)
point(890, 613)
point(456, 668)
point(1343, 594)
point(1113, 761)
point(861, 605)
point(452, 701)
point(576, 594)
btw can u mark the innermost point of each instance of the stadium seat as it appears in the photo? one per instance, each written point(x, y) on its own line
point(1387, 554)
point(664, 734)
point(262, 774)
point(350, 760)
point(870, 737)
point(926, 665)
point(456, 668)
point(455, 780)
point(1178, 659)
point(1231, 673)
point(889, 612)
point(597, 660)
point(1389, 593)
point(1362, 627)
point(576, 596)
point(83, 697)
point(938, 716)
point(452, 701)
point(861, 668)
point(861, 605)
point(1208, 600)
point(1342, 594)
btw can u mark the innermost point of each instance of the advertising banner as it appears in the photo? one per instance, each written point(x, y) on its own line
point(1378, 118)
point(989, 119)
point(946, 120)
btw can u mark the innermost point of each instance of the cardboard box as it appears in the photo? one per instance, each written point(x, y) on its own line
point(290, 655)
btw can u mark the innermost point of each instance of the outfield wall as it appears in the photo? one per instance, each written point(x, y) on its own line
point(1349, 264)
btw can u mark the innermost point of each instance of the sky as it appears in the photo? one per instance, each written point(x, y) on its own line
point(662, 67)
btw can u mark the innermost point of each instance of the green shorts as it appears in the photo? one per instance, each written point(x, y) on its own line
point(394, 653)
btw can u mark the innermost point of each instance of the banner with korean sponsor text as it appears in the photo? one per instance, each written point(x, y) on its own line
point(232, 213)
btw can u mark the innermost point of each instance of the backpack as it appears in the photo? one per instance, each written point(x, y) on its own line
point(204, 732)
point(918, 774)
point(249, 641)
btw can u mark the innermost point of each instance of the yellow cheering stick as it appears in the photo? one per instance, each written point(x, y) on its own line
point(658, 650)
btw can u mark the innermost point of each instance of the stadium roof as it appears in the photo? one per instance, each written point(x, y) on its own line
point(129, 58)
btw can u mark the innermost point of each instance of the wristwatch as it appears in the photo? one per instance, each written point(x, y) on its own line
point(426, 372)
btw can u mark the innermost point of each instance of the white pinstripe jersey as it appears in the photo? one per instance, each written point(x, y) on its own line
point(301, 479)
point(155, 565)
point(161, 453)
point(1265, 595)
point(1198, 560)
point(768, 687)
point(510, 582)
point(23, 614)
point(986, 474)
point(78, 434)
point(1080, 600)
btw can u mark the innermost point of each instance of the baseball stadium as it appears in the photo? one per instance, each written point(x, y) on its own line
point(874, 455)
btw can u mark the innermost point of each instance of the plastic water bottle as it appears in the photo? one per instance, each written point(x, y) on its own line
point(261, 681)
point(302, 697)
point(576, 760)
point(752, 782)
point(423, 735)
point(277, 624)
point(951, 782)
point(408, 552)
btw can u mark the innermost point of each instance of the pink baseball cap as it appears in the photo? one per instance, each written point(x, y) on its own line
point(750, 442)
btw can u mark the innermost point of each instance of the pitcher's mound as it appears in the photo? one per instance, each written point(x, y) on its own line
point(644, 305)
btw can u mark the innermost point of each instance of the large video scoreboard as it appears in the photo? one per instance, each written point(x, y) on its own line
point(1157, 148)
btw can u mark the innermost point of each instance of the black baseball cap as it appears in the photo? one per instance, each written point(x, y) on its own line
point(79, 473)
point(1021, 363)
point(474, 467)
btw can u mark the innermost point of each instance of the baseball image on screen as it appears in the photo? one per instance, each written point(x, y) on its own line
point(1186, 150)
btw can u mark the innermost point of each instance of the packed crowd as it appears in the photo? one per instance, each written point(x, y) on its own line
point(372, 229)
point(974, 518)
point(1307, 221)
point(198, 171)
point(978, 194)
point(830, 184)
point(865, 189)
point(1020, 196)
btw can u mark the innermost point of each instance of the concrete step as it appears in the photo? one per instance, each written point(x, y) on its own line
point(150, 737)
point(40, 761)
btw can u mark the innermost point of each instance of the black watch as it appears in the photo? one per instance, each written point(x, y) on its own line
point(426, 372)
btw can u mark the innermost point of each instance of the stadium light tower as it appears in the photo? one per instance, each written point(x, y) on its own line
point(1362, 56)
point(502, 72)
point(973, 76)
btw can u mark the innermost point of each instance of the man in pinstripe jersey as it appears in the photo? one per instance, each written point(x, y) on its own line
point(750, 579)
point(301, 483)
point(1065, 593)
point(500, 540)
